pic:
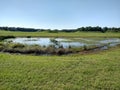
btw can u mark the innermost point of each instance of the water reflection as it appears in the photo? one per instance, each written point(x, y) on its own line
point(66, 42)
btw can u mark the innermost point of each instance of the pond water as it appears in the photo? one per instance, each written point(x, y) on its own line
point(66, 42)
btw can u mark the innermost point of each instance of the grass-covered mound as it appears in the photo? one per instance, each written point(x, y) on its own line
point(45, 50)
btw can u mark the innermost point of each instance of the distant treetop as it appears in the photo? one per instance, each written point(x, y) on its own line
point(83, 29)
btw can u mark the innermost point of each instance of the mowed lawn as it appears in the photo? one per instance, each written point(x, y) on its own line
point(100, 71)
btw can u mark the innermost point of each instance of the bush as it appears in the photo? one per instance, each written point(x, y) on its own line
point(28, 36)
point(1, 46)
point(60, 51)
point(85, 47)
point(38, 50)
point(5, 37)
point(16, 45)
point(50, 49)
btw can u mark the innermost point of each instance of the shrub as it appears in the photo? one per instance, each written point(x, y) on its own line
point(61, 46)
point(16, 45)
point(1, 46)
point(85, 47)
point(5, 37)
point(50, 49)
point(60, 51)
point(28, 36)
point(69, 47)
point(55, 42)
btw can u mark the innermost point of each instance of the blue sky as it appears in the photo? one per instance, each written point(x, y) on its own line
point(59, 14)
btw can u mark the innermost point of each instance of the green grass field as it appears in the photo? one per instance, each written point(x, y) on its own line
point(93, 71)
point(60, 34)
point(99, 71)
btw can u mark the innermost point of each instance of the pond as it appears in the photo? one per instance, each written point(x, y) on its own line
point(67, 42)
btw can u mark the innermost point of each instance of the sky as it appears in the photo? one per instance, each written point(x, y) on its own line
point(59, 14)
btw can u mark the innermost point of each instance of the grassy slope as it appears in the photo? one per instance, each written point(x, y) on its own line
point(62, 34)
point(73, 72)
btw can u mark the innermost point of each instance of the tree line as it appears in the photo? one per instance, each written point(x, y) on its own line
point(18, 29)
point(83, 29)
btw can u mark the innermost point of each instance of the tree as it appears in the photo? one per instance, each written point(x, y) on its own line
point(104, 29)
